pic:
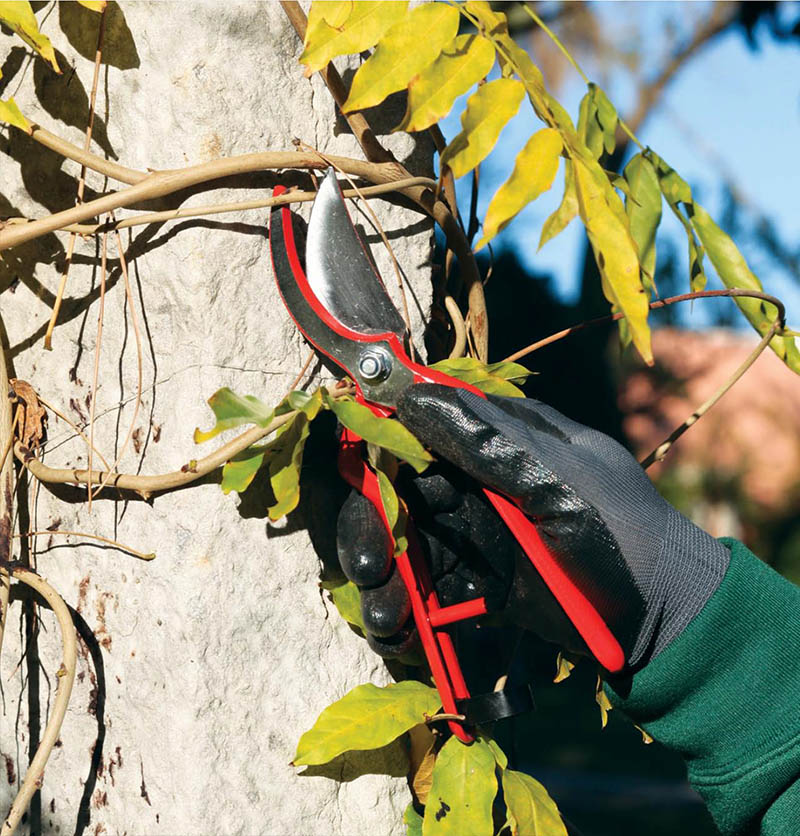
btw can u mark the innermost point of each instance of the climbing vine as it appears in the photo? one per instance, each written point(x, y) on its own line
point(436, 53)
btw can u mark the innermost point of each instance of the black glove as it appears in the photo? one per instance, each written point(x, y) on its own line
point(645, 567)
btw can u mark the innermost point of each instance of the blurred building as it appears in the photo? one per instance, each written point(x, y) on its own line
point(736, 472)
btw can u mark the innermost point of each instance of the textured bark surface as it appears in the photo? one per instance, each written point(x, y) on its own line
point(198, 670)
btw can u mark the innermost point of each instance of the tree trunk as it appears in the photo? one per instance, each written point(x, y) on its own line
point(198, 671)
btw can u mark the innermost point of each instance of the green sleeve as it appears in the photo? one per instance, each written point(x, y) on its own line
point(726, 696)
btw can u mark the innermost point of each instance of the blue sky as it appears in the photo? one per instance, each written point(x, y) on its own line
point(729, 107)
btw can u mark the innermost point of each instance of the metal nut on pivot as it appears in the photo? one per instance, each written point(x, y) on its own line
point(374, 364)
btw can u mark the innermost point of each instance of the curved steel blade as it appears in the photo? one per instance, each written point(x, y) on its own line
point(339, 271)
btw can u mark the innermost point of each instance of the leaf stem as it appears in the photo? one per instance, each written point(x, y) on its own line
point(85, 535)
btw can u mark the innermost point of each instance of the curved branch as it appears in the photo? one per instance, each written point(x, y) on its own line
point(662, 449)
point(658, 303)
point(65, 676)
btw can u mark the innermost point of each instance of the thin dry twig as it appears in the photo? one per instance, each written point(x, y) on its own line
point(81, 183)
point(65, 677)
point(658, 303)
point(459, 328)
point(7, 423)
point(660, 452)
point(96, 371)
point(56, 411)
point(311, 355)
point(85, 535)
point(240, 206)
point(145, 485)
point(140, 372)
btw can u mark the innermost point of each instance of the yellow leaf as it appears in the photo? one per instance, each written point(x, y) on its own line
point(362, 29)
point(488, 110)
point(531, 811)
point(615, 254)
point(422, 757)
point(534, 171)
point(332, 12)
point(564, 668)
point(18, 16)
point(403, 52)
point(94, 5)
point(566, 211)
point(646, 739)
point(603, 701)
point(432, 93)
point(10, 113)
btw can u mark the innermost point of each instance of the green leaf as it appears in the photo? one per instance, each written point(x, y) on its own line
point(463, 790)
point(734, 272)
point(531, 811)
point(239, 472)
point(396, 514)
point(534, 171)
point(566, 211)
point(589, 129)
point(232, 410)
point(488, 110)
point(403, 52)
point(11, 114)
point(287, 457)
point(385, 432)
point(615, 254)
point(367, 717)
point(606, 115)
point(412, 820)
point(493, 379)
point(18, 16)
point(362, 29)
point(643, 206)
point(676, 191)
point(432, 93)
point(347, 600)
point(499, 755)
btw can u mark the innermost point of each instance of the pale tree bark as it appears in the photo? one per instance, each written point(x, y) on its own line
point(198, 670)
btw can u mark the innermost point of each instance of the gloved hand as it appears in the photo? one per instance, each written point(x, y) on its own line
point(646, 568)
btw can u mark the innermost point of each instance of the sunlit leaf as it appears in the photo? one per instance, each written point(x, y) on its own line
point(564, 667)
point(385, 432)
point(488, 110)
point(643, 206)
point(412, 820)
point(287, 457)
point(566, 211)
point(404, 51)
point(18, 16)
point(10, 113)
point(646, 739)
point(534, 171)
point(332, 12)
point(734, 272)
point(239, 472)
point(362, 29)
point(616, 256)
point(94, 5)
point(367, 717)
point(232, 410)
point(603, 702)
point(493, 379)
point(432, 93)
point(347, 599)
point(463, 790)
point(531, 811)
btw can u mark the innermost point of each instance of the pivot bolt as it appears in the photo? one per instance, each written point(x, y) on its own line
point(374, 364)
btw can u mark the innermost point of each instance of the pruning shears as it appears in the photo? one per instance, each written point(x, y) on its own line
point(341, 306)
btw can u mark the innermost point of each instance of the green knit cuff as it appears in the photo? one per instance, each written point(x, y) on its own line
point(725, 695)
